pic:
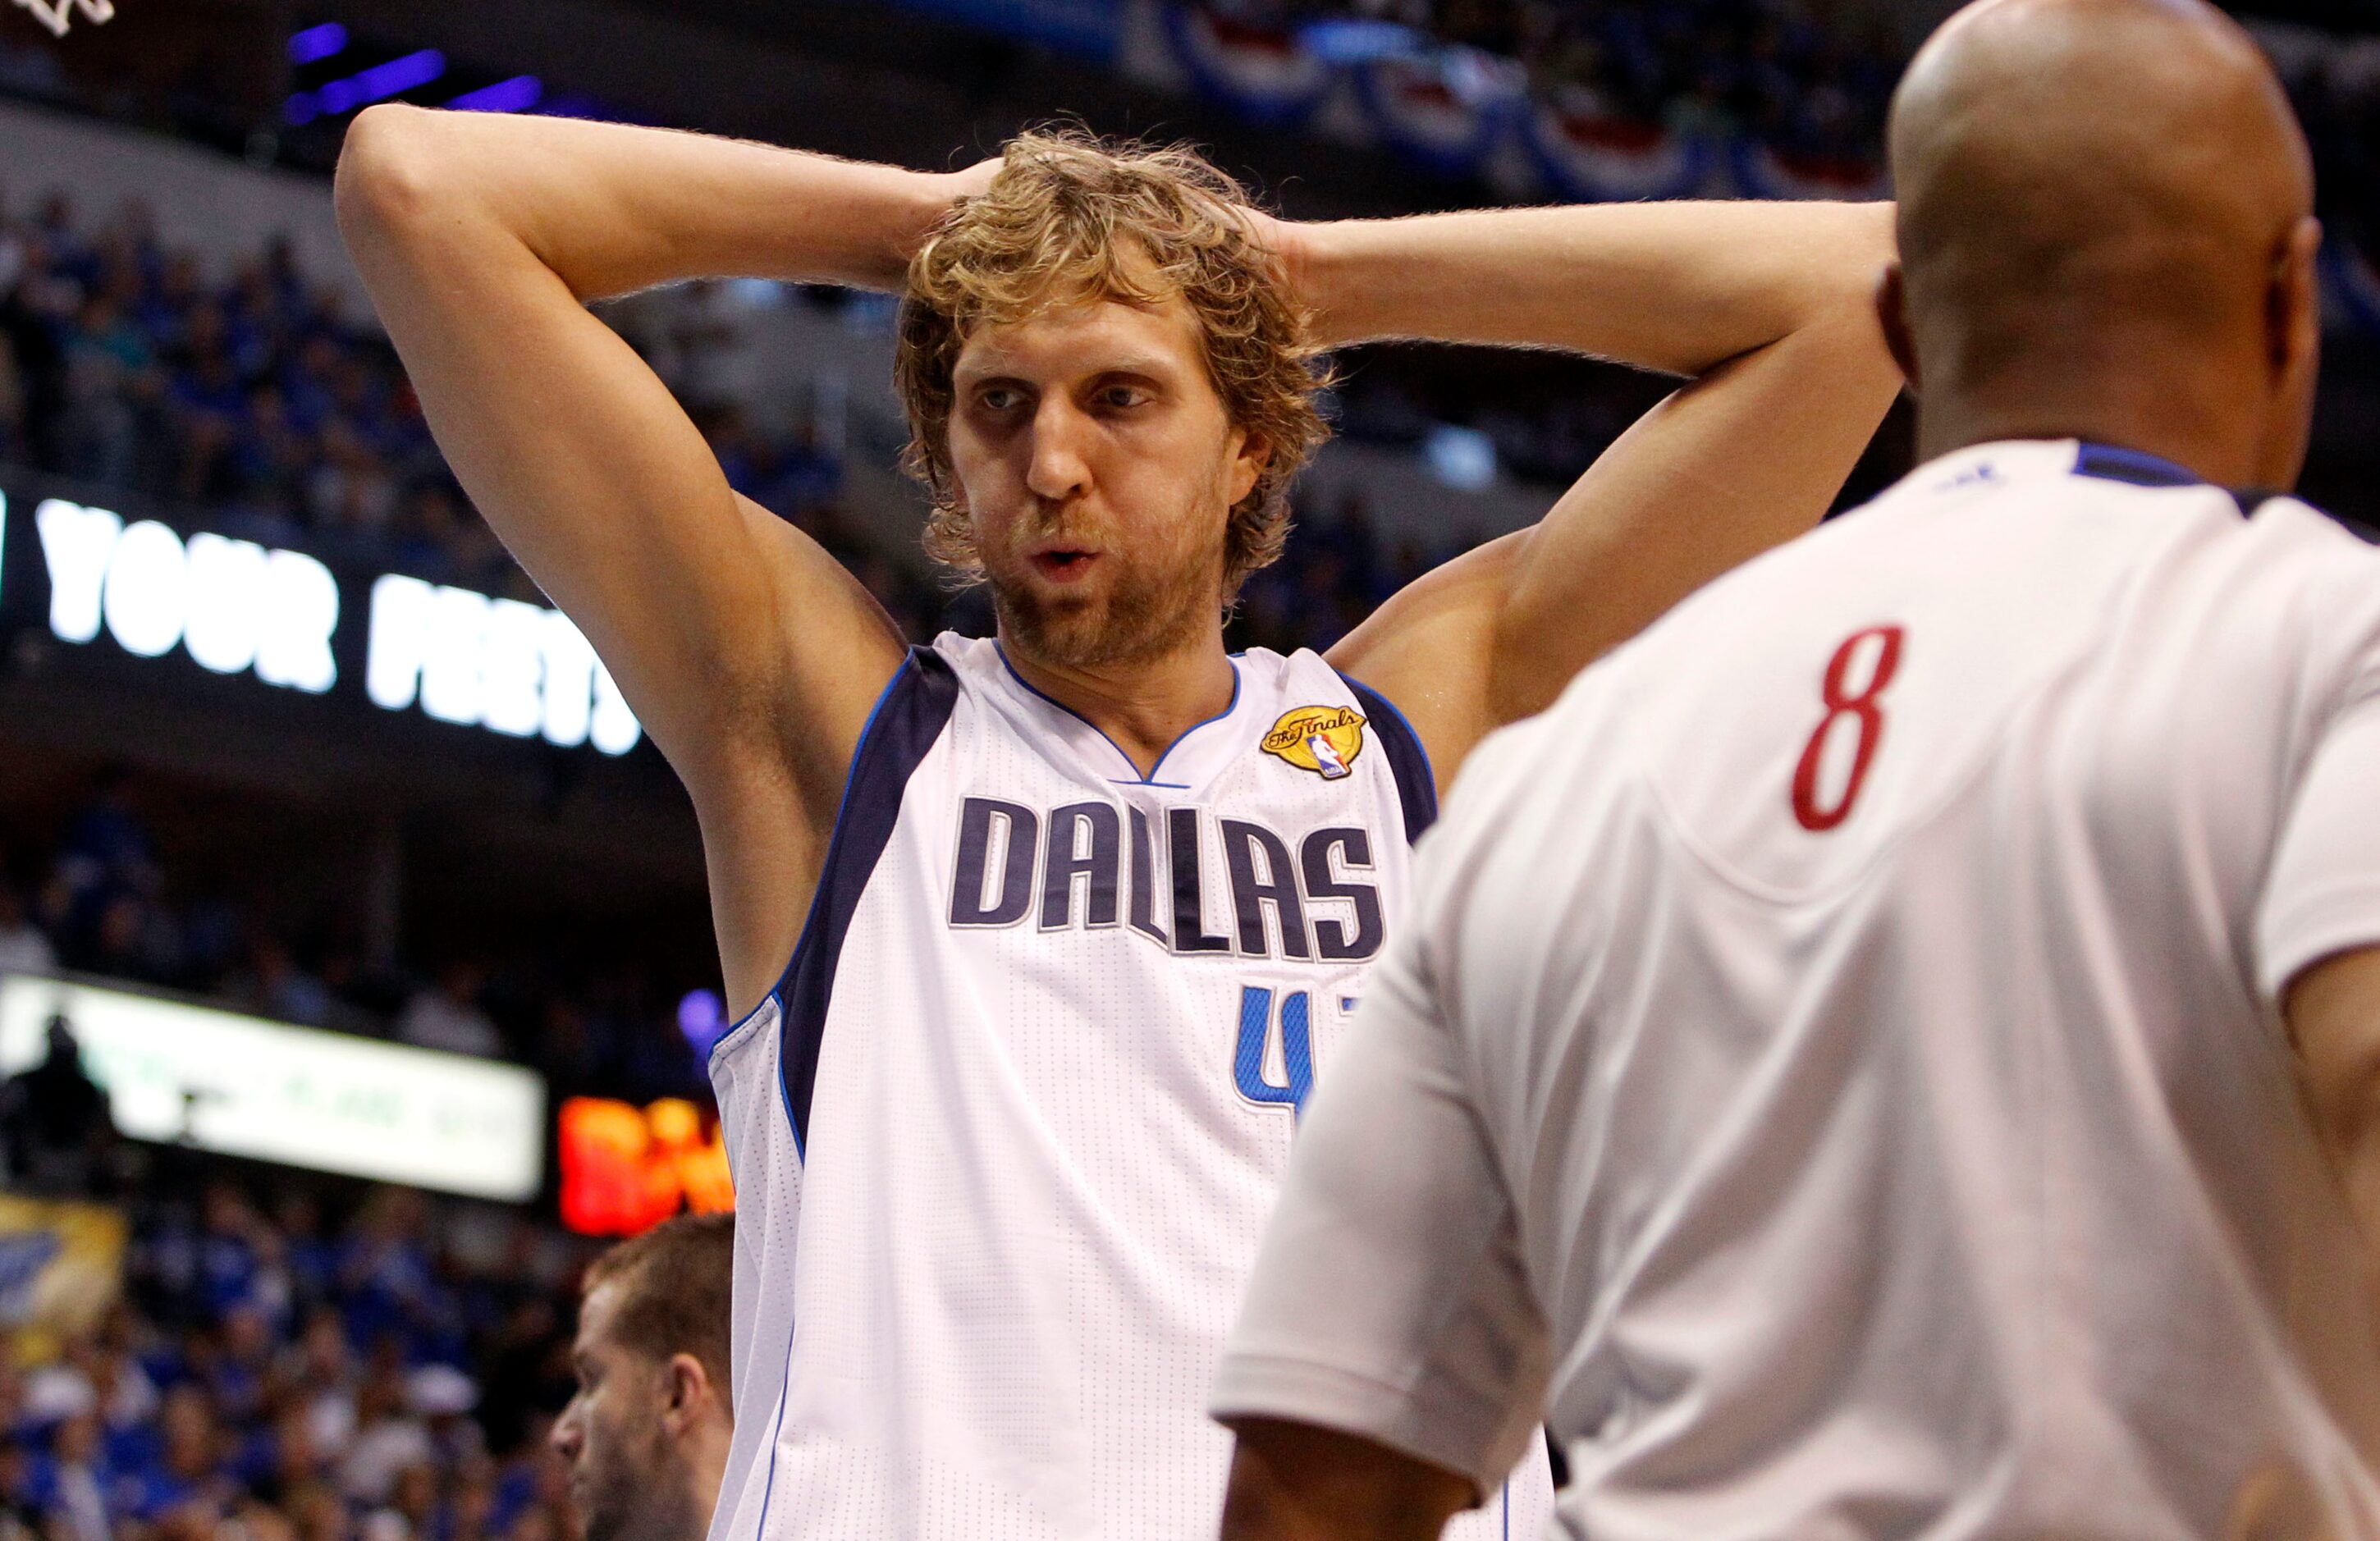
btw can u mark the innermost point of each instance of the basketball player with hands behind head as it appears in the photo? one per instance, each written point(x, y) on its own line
point(1076, 915)
point(1893, 1050)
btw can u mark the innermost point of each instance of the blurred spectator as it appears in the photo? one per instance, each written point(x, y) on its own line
point(388, 1439)
point(68, 1486)
point(20, 1519)
point(53, 1119)
point(24, 948)
point(273, 985)
point(185, 1468)
point(448, 1015)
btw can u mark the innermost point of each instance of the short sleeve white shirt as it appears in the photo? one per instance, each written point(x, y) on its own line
point(1833, 1070)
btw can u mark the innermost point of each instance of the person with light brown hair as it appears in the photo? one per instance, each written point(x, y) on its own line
point(648, 1431)
point(1075, 914)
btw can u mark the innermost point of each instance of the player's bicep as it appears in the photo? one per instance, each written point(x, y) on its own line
point(595, 478)
point(1388, 1298)
point(1744, 458)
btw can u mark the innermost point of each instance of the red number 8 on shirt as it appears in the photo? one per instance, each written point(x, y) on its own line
point(1862, 706)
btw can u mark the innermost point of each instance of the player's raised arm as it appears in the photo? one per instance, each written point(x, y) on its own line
point(1768, 307)
point(747, 652)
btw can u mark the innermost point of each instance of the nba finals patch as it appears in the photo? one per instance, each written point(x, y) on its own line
point(1322, 739)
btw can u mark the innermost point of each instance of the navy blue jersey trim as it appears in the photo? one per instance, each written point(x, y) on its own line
point(777, 990)
point(2110, 463)
point(1416, 785)
point(907, 720)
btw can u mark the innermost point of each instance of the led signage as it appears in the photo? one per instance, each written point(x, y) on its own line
point(242, 1086)
point(626, 1169)
point(236, 607)
point(232, 605)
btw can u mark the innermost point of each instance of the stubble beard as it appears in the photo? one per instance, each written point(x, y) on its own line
point(1138, 620)
point(637, 1497)
point(1157, 601)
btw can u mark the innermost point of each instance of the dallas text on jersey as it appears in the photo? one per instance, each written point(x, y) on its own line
point(1069, 864)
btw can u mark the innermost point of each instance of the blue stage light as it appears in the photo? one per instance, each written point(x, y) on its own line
point(317, 42)
point(380, 82)
point(515, 95)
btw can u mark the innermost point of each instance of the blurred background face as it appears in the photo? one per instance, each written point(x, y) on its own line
point(626, 1476)
point(1098, 469)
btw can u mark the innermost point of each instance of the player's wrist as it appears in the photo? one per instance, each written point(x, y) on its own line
point(1321, 261)
point(924, 199)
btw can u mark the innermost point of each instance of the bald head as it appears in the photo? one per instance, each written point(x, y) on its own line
point(2103, 207)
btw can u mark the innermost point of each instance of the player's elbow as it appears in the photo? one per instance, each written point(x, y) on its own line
point(389, 174)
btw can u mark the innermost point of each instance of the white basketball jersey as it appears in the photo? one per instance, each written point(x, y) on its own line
point(1861, 990)
point(1006, 1133)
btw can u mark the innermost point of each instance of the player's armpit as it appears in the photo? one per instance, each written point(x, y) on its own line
point(1294, 1482)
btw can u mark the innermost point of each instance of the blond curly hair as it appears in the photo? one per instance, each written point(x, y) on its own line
point(1068, 218)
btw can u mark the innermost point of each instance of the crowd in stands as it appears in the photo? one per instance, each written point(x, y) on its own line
point(98, 899)
point(323, 1365)
point(1712, 68)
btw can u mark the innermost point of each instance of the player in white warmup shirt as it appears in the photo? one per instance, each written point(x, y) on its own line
point(1075, 916)
point(1878, 1057)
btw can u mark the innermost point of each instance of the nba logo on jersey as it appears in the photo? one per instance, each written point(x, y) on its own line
point(1322, 739)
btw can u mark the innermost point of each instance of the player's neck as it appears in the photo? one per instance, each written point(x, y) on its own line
point(1142, 706)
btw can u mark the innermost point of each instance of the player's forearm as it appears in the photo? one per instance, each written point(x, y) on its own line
point(1675, 286)
point(610, 208)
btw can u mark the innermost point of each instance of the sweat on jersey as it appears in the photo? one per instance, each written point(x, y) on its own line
point(1005, 1135)
point(1834, 1058)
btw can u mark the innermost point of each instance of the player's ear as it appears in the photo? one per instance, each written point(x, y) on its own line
point(1892, 314)
point(1249, 458)
point(686, 1392)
